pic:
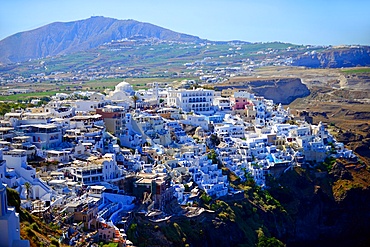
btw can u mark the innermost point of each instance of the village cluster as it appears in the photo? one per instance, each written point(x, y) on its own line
point(90, 163)
point(211, 69)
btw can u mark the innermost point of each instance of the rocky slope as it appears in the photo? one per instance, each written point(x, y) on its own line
point(326, 209)
point(32, 227)
point(67, 37)
point(335, 58)
point(322, 206)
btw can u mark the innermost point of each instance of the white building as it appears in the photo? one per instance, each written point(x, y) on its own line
point(56, 109)
point(195, 120)
point(209, 177)
point(86, 106)
point(197, 100)
point(230, 130)
point(9, 223)
point(222, 104)
point(18, 172)
point(122, 94)
point(244, 94)
point(96, 170)
point(44, 136)
point(152, 128)
point(150, 96)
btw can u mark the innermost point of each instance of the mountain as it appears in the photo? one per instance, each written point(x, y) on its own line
point(65, 38)
point(68, 37)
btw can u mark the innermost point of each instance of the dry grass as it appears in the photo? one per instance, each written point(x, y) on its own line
point(360, 180)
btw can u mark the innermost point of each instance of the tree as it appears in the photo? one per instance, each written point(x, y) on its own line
point(28, 187)
point(13, 198)
point(264, 241)
point(135, 98)
point(212, 155)
point(214, 140)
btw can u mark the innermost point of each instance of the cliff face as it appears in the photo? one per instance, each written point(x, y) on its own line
point(326, 209)
point(335, 58)
point(303, 207)
point(281, 90)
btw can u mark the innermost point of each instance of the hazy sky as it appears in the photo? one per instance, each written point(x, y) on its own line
point(324, 22)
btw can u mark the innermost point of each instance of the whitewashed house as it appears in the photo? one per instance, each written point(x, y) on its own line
point(196, 100)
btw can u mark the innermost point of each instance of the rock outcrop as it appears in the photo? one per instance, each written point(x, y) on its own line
point(326, 209)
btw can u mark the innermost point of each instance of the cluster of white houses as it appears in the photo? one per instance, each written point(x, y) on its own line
point(84, 143)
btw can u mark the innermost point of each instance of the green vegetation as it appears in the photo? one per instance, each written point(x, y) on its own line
point(214, 140)
point(212, 155)
point(13, 198)
point(6, 107)
point(28, 187)
point(151, 59)
point(32, 227)
point(206, 199)
point(35, 227)
point(27, 96)
point(47, 89)
point(179, 232)
point(327, 165)
point(132, 232)
point(54, 241)
point(225, 212)
point(356, 71)
point(135, 98)
point(264, 241)
point(329, 162)
point(267, 201)
point(101, 244)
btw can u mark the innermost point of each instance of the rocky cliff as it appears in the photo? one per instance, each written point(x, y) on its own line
point(303, 207)
point(280, 90)
point(335, 58)
point(326, 209)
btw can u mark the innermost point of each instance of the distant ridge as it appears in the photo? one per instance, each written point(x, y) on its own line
point(67, 37)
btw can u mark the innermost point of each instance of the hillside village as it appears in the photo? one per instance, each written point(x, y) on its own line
point(213, 63)
point(92, 163)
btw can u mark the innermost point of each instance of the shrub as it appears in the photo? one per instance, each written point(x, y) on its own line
point(55, 242)
point(35, 227)
point(187, 188)
point(29, 232)
point(206, 198)
point(269, 242)
point(13, 198)
point(132, 232)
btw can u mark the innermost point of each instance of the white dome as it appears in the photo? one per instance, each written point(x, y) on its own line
point(124, 87)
